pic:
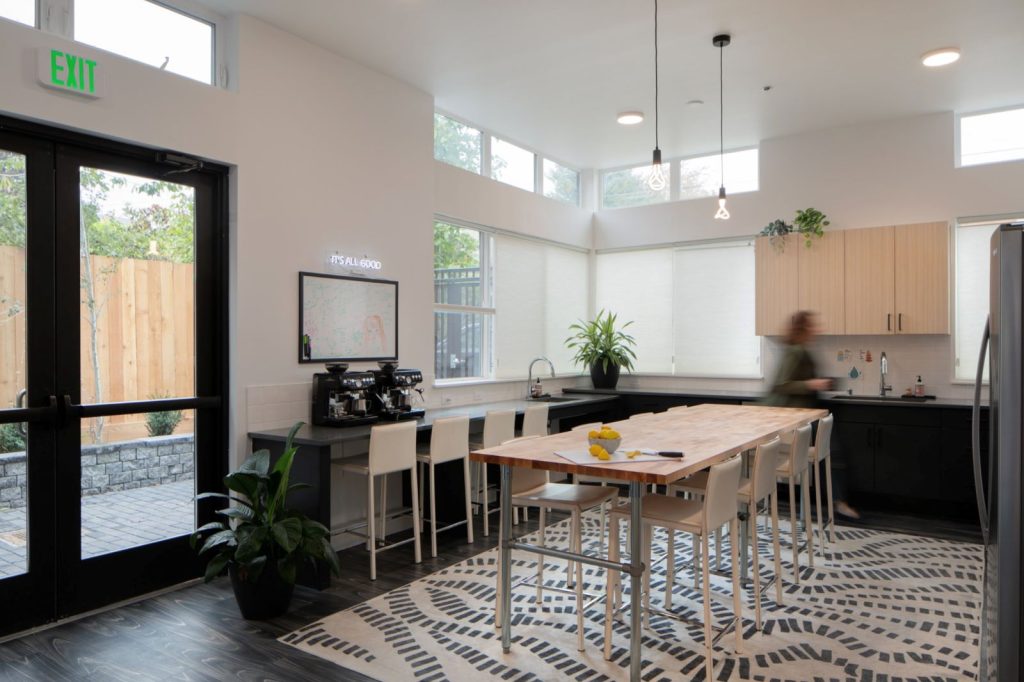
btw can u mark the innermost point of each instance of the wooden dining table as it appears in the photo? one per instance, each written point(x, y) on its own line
point(705, 434)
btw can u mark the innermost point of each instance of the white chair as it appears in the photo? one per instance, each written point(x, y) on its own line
point(392, 449)
point(530, 488)
point(793, 468)
point(760, 487)
point(691, 516)
point(822, 452)
point(449, 441)
point(535, 423)
point(499, 427)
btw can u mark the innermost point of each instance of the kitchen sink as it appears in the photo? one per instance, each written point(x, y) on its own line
point(551, 399)
point(880, 398)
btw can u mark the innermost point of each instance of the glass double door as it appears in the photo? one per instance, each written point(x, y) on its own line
point(111, 372)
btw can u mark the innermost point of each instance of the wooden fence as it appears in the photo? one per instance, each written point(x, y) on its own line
point(144, 332)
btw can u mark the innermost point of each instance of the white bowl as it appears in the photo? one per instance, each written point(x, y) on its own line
point(609, 444)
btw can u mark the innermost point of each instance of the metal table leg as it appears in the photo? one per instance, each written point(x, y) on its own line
point(636, 572)
point(506, 557)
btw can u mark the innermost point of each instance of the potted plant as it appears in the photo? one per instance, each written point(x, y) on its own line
point(602, 348)
point(262, 543)
point(809, 222)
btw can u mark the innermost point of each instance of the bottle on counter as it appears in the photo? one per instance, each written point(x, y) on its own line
point(919, 387)
point(537, 390)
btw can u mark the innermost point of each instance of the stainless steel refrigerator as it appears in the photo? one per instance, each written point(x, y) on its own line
point(999, 497)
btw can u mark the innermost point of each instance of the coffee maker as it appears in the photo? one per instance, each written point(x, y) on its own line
point(392, 397)
point(341, 398)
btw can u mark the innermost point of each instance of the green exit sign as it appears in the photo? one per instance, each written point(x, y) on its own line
point(69, 72)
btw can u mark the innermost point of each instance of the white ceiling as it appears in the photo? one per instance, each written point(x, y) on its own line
point(552, 74)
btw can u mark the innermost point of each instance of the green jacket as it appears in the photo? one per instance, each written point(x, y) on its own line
point(789, 389)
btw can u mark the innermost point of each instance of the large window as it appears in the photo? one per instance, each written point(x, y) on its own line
point(972, 301)
point(992, 137)
point(457, 143)
point(501, 301)
point(692, 178)
point(22, 11)
point(148, 32)
point(478, 151)
point(689, 318)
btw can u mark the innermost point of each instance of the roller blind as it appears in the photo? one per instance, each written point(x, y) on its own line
point(540, 289)
point(637, 285)
point(972, 300)
point(713, 311)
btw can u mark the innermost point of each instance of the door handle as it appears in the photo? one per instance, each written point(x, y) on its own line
point(888, 322)
point(19, 402)
point(979, 486)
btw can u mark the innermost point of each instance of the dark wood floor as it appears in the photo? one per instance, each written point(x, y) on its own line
point(196, 633)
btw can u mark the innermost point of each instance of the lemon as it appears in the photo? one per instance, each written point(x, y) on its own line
point(593, 434)
point(632, 453)
point(604, 456)
point(596, 450)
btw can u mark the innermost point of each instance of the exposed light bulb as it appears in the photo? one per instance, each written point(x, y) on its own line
point(656, 178)
point(722, 213)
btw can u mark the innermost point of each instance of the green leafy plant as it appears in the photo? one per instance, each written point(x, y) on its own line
point(810, 222)
point(11, 439)
point(260, 530)
point(600, 341)
point(162, 423)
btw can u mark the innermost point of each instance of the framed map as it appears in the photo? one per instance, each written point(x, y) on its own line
point(347, 318)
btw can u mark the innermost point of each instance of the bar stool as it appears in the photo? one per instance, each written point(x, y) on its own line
point(698, 518)
point(530, 488)
point(535, 423)
point(449, 441)
point(793, 468)
point(760, 487)
point(499, 427)
point(822, 452)
point(392, 449)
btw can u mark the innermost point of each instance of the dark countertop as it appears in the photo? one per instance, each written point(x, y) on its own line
point(828, 398)
point(320, 436)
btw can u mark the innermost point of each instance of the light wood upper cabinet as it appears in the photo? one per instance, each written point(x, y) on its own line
point(821, 268)
point(775, 288)
point(922, 279)
point(870, 280)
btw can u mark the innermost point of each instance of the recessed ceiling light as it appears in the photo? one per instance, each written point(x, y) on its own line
point(941, 57)
point(630, 118)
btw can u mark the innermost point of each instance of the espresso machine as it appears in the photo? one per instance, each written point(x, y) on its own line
point(393, 393)
point(342, 398)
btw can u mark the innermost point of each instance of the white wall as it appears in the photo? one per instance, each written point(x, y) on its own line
point(883, 173)
point(327, 154)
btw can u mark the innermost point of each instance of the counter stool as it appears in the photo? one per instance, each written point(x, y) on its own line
point(499, 427)
point(392, 449)
point(822, 452)
point(535, 423)
point(760, 487)
point(793, 468)
point(698, 518)
point(530, 488)
point(449, 441)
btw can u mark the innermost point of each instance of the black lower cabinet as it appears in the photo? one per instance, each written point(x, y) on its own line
point(914, 460)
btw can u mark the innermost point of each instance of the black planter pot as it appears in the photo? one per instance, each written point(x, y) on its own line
point(268, 597)
point(603, 379)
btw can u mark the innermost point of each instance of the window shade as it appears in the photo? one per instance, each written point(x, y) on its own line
point(637, 285)
point(713, 311)
point(972, 301)
point(540, 290)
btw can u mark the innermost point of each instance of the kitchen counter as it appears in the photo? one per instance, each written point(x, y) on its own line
point(318, 436)
point(827, 398)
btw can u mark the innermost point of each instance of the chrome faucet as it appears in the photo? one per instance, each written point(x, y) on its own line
point(529, 373)
point(883, 366)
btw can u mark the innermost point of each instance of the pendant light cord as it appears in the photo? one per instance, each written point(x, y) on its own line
point(721, 113)
point(656, 145)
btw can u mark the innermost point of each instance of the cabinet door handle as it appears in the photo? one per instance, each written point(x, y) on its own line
point(899, 322)
point(888, 322)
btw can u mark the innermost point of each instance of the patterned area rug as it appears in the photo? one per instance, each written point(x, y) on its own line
point(882, 607)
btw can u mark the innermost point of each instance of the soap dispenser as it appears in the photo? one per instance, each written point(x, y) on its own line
point(536, 390)
point(919, 387)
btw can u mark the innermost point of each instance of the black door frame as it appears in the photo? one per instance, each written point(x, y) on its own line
point(66, 585)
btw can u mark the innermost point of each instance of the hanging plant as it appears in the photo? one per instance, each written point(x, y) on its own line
point(809, 222)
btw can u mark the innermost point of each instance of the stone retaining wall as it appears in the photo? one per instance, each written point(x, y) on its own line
point(111, 466)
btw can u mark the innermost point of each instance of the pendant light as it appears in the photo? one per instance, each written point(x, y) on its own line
point(720, 41)
point(656, 178)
